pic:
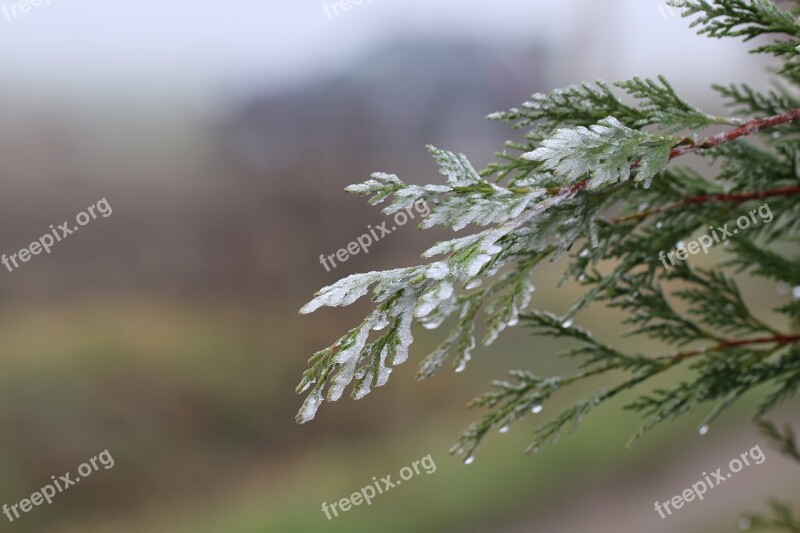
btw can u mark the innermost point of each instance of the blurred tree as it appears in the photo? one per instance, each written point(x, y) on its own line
point(594, 179)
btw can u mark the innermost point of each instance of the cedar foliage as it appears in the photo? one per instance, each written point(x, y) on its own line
point(596, 181)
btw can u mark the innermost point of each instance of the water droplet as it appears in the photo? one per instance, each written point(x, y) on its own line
point(504, 429)
point(796, 293)
point(469, 460)
point(536, 409)
point(783, 288)
point(680, 244)
point(535, 449)
point(703, 429)
point(659, 225)
point(744, 523)
point(567, 323)
point(582, 278)
point(584, 253)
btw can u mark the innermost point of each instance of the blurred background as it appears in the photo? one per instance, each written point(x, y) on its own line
point(222, 135)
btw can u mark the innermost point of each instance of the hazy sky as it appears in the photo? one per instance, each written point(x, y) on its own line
point(212, 42)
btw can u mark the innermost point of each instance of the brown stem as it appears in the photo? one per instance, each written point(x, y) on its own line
point(754, 126)
point(731, 197)
point(779, 339)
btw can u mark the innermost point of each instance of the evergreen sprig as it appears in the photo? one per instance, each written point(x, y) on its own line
point(595, 180)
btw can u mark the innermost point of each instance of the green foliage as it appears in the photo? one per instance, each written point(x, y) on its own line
point(594, 180)
point(748, 19)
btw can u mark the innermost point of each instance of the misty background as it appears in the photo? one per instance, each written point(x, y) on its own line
point(223, 135)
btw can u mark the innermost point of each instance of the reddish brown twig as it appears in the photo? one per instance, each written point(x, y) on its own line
point(701, 199)
point(778, 339)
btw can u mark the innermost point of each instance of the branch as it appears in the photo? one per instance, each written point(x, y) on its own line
point(705, 198)
point(749, 128)
point(778, 339)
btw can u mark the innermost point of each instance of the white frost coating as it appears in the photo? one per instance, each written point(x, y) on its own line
point(383, 372)
point(343, 292)
point(310, 406)
point(364, 387)
point(383, 376)
point(307, 385)
point(432, 298)
point(466, 355)
point(355, 349)
point(404, 335)
point(440, 314)
point(477, 263)
point(341, 380)
point(348, 359)
point(437, 271)
point(381, 323)
point(473, 284)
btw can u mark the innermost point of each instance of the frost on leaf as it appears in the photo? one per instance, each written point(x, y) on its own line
point(605, 151)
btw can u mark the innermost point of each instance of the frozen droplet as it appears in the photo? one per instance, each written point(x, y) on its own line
point(567, 323)
point(796, 293)
point(703, 429)
point(680, 244)
point(582, 278)
point(744, 523)
point(535, 449)
point(536, 409)
point(504, 429)
point(469, 459)
point(584, 253)
point(659, 225)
